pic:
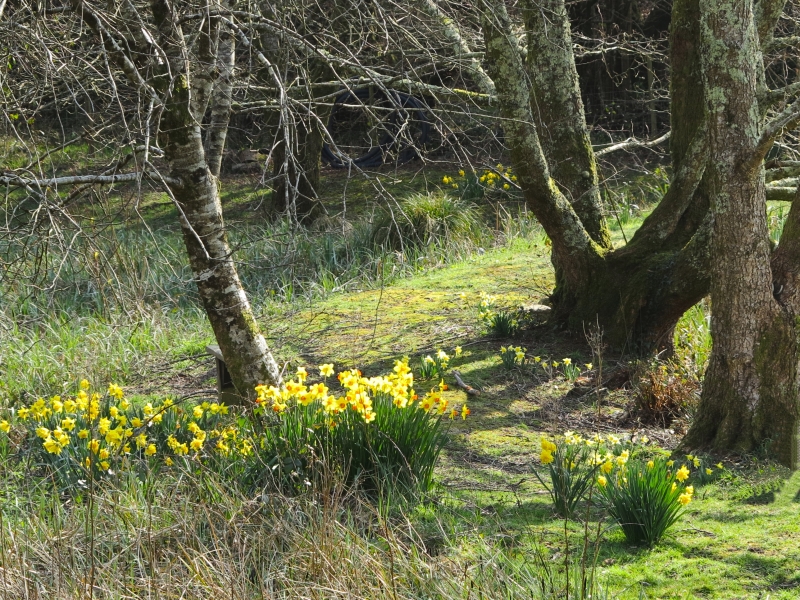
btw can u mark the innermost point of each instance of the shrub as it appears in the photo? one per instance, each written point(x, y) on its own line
point(94, 436)
point(378, 433)
point(664, 394)
point(646, 499)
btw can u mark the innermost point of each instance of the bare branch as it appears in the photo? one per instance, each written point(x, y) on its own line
point(782, 193)
point(632, 143)
point(11, 179)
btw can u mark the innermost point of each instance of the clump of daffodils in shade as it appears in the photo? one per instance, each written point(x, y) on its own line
point(93, 435)
point(512, 356)
point(436, 366)
point(644, 496)
point(570, 369)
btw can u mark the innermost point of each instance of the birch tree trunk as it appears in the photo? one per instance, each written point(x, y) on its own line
point(182, 81)
point(187, 92)
point(750, 394)
point(221, 100)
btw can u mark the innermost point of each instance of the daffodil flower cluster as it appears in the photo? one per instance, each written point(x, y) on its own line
point(367, 428)
point(359, 392)
point(486, 307)
point(551, 367)
point(497, 178)
point(93, 434)
point(512, 356)
point(573, 464)
point(436, 365)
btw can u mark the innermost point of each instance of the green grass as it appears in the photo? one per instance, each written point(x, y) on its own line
point(488, 523)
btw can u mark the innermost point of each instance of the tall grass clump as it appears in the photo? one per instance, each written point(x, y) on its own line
point(189, 534)
point(425, 220)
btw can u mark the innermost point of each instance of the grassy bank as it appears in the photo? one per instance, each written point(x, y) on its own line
point(488, 529)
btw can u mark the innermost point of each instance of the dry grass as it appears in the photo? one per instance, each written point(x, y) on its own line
point(193, 537)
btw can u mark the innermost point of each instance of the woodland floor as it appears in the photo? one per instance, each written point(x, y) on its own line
point(740, 537)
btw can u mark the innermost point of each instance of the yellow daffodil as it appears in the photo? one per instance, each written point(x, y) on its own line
point(602, 481)
point(546, 457)
point(5, 426)
point(684, 499)
point(709, 471)
point(650, 464)
point(84, 384)
point(326, 370)
point(150, 450)
point(682, 474)
point(465, 411)
point(52, 446)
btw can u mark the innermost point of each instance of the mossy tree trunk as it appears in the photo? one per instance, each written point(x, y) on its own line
point(243, 347)
point(639, 292)
point(750, 393)
point(557, 110)
point(183, 81)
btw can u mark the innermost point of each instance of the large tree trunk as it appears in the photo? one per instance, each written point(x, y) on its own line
point(750, 393)
point(639, 292)
point(197, 196)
